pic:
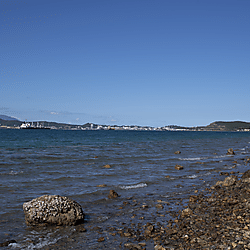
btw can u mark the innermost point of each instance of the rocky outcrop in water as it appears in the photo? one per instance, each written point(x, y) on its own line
point(215, 218)
point(177, 152)
point(230, 151)
point(53, 209)
point(112, 194)
point(178, 167)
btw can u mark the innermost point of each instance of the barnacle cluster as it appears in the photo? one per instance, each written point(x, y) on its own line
point(52, 209)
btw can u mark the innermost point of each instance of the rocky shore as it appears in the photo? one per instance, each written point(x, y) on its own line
point(218, 218)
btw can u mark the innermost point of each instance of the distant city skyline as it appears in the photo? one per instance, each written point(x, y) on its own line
point(145, 63)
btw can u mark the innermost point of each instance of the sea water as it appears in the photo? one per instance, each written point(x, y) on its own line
point(70, 163)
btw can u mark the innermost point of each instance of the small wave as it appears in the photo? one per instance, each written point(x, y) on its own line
point(192, 176)
point(192, 159)
point(12, 173)
point(202, 158)
point(219, 156)
point(42, 243)
point(207, 173)
point(141, 185)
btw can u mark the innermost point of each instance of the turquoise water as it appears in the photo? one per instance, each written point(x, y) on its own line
point(70, 163)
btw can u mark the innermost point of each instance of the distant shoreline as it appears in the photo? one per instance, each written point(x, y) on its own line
point(234, 126)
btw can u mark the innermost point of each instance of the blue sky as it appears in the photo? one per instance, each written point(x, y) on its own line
point(156, 63)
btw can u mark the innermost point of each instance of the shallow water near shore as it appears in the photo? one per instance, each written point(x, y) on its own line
point(142, 172)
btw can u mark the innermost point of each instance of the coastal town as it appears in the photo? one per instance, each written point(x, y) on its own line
point(10, 123)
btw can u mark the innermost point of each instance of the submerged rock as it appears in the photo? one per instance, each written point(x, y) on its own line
point(53, 209)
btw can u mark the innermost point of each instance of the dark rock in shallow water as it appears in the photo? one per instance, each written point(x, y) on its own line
point(246, 175)
point(107, 166)
point(112, 194)
point(178, 167)
point(230, 151)
point(53, 209)
point(177, 152)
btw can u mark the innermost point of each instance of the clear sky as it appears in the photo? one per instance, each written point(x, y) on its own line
point(156, 63)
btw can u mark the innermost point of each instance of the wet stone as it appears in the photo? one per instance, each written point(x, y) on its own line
point(178, 167)
point(101, 239)
point(230, 151)
point(53, 210)
point(112, 194)
point(107, 166)
point(132, 246)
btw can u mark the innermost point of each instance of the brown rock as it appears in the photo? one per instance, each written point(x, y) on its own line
point(230, 151)
point(107, 166)
point(159, 247)
point(102, 185)
point(178, 167)
point(177, 152)
point(133, 246)
point(246, 175)
point(229, 181)
point(160, 206)
point(112, 194)
point(81, 229)
point(101, 239)
point(186, 212)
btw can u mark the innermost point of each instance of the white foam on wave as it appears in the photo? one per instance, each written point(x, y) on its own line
point(43, 242)
point(207, 173)
point(192, 176)
point(12, 173)
point(202, 158)
point(140, 185)
point(192, 159)
point(220, 156)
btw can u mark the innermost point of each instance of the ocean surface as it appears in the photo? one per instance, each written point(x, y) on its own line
point(70, 163)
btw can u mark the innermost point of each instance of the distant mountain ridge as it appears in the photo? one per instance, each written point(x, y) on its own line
point(8, 118)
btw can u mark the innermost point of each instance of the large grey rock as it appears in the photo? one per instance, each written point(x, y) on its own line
point(53, 209)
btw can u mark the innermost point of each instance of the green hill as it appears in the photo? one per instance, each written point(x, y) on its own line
point(228, 126)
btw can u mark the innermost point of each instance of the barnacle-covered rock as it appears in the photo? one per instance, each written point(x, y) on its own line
point(53, 209)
